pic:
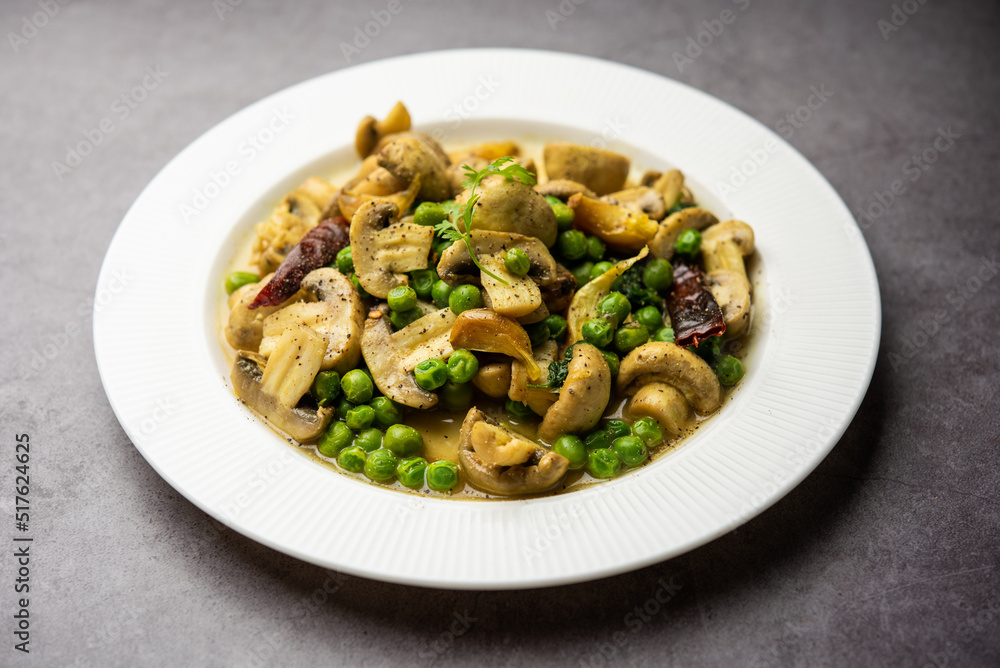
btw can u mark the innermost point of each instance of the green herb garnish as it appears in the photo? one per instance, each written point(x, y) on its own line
point(448, 228)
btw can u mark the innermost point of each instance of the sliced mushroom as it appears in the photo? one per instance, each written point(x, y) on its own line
point(334, 310)
point(408, 157)
point(538, 399)
point(384, 249)
point(245, 326)
point(639, 200)
point(511, 206)
point(498, 447)
point(388, 353)
point(489, 332)
point(616, 225)
point(692, 218)
point(558, 294)
point(668, 363)
point(670, 186)
point(662, 402)
point(370, 131)
point(349, 201)
point(585, 301)
point(583, 397)
point(723, 246)
point(456, 265)
point(490, 151)
point(514, 297)
point(540, 472)
point(602, 171)
point(563, 189)
point(539, 314)
point(273, 388)
point(493, 379)
point(732, 292)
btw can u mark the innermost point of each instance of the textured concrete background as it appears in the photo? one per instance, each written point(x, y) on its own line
point(886, 555)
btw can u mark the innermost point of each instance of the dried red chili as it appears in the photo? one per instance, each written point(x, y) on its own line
point(693, 310)
point(317, 248)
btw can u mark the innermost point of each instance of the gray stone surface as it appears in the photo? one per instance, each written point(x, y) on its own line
point(886, 555)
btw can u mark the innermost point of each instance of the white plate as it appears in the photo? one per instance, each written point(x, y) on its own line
point(817, 306)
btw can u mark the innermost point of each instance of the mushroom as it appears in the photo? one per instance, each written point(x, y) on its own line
point(384, 249)
point(273, 388)
point(456, 265)
point(661, 362)
point(486, 331)
point(490, 151)
point(670, 186)
point(511, 206)
point(558, 294)
point(539, 314)
point(538, 399)
point(602, 171)
point(245, 327)
point(563, 189)
point(422, 137)
point(724, 245)
point(616, 225)
point(456, 172)
point(732, 292)
point(692, 218)
point(583, 397)
point(391, 356)
point(585, 301)
point(662, 402)
point(370, 131)
point(336, 313)
point(493, 379)
point(409, 157)
point(539, 472)
point(296, 214)
point(639, 200)
point(510, 295)
point(370, 190)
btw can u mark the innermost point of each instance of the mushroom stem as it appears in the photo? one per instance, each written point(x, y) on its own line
point(486, 331)
point(662, 402)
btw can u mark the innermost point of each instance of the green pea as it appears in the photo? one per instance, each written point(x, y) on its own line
point(729, 370)
point(598, 332)
point(357, 386)
point(599, 269)
point(440, 293)
point(402, 298)
point(648, 430)
point(664, 334)
point(442, 475)
point(689, 243)
point(352, 459)
point(326, 387)
point(615, 305)
point(345, 260)
point(603, 463)
point(381, 466)
point(403, 440)
point(538, 333)
point(573, 449)
point(595, 248)
point(564, 214)
point(572, 244)
point(617, 428)
point(455, 396)
point(369, 439)
point(465, 297)
point(411, 472)
point(462, 366)
point(517, 262)
point(582, 273)
point(387, 412)
point(614, 362)
point(658, 274)
point(335, 439)
point(519, 410)
point(431, 374)
point(650, 318)
point(238, 279)
point(401, 319)
point(556, 324)
point(360, 417)
point(441, 245)
point(422, 281)
point(630, 337)
point(343, 406)
point(597, 439)
point(631, 450)
point(709, 349)
point(429, 213)
point(356, 282)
